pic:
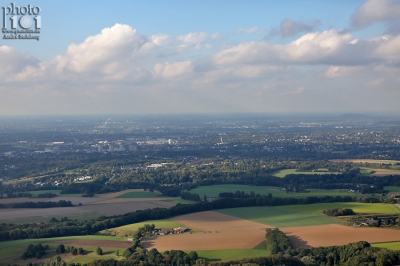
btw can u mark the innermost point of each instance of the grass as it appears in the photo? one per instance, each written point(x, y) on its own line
point(285, 172)
point(130, 229)
point(213, 191)
point(35, 193)
point(91, 255)
point(388, 245)
point(139, 194)
point(356, 206)
point(39, 219)
point(231, 254)
point(392, 188)
point(13, 249)
point(279, 217)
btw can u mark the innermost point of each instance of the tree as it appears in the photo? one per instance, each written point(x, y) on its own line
point(117, 252)
point(80, 251)
point(60, 248)
point(99, 251)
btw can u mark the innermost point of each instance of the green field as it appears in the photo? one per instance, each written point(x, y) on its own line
point(356, 206)
point(392, 188)
point(278, 217)
point(231, 254)
point(388, 245)
point(285, 172)
point(213, 191)
point(131, 228)
point(139, 194)
point(13, 249)
point(37, 192)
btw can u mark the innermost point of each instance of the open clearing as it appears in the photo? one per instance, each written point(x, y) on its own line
point(278, 217)
point(220, 231)
point(357, 207)
point(285, 172)
point(335, 234)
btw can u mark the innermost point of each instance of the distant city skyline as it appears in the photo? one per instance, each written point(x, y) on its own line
point(150, 57)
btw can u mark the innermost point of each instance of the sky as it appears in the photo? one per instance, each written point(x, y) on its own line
point(160, 57)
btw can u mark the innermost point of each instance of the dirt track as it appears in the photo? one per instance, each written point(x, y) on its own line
point(335, 234)
point(220, 231)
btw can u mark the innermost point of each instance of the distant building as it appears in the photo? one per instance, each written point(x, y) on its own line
point(180, 230)
point(165, 231)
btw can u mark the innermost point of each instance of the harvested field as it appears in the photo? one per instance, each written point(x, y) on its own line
point(118, 200)
point(93, 243)
point(334, 234)
point(125, 207)
point(74, 200)
point(220, 231)
point(6, 214)
point(385, 172)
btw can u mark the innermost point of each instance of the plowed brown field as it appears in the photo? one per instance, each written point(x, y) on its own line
point(220, 231)
point(335, 234)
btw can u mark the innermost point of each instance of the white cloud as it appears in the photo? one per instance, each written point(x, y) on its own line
point(174, 70)
point(161, 39)
point(192, 40)
point(14, 61)
point(132, 72)
point(329, 47)
point(376, 10)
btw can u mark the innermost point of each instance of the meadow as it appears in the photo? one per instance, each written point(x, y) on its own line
point(358, 207)
point(11, 250)
point(277, 217)
point(213, 191)
point(392, 188)
point(388, 245)
point(285, 172)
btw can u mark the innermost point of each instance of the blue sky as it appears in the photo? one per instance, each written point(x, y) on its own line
point(205, 56)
